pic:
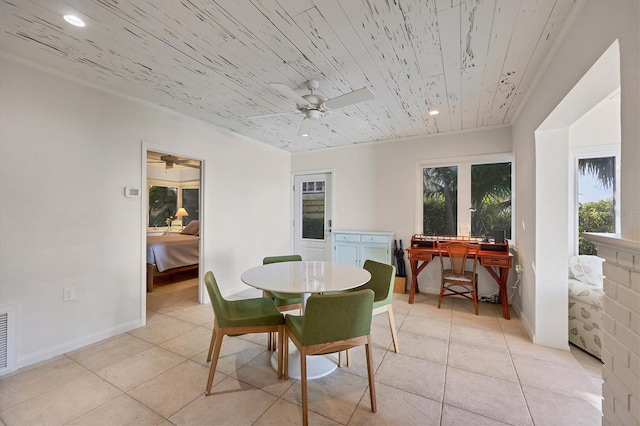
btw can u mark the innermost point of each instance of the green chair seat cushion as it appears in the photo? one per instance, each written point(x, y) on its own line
point(283, 299)
point(251, 312)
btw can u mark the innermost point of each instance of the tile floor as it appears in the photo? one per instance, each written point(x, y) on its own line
point(454, 368)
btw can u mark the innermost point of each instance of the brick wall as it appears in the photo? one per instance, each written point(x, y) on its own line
point(621, 336)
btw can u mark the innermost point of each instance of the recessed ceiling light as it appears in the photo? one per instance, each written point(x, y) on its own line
point(74, 20)
point(434, 112)
point(304, 135)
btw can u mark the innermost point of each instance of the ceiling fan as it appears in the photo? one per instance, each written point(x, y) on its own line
point(316, 107)
point(171, 160)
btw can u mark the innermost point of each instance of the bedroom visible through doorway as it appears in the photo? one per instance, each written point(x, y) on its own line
point(173, 209)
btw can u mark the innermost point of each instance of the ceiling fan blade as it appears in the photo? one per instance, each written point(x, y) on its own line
point(288, 93)
point(273, 114)
point(305, 127)
point(354, 97)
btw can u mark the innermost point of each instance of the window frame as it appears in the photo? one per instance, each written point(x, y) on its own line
point(188, 184)
point(464, 191)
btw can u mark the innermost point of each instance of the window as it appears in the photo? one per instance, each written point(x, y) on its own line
point(163, 204)
point(191, 203)
point(596, 190)
point(467, 197)
point(313, 210)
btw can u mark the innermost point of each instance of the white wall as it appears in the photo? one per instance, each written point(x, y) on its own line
point(597, 26)
point(66, 153)
point(375, 183)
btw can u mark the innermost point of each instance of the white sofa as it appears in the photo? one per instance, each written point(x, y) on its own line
point(586, 303)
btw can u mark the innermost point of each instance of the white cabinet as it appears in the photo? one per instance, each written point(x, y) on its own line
point(354, 247)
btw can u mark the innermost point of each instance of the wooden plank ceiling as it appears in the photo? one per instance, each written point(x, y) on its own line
point(473, 60)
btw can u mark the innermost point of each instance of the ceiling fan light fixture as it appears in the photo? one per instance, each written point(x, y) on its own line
point(74, 20)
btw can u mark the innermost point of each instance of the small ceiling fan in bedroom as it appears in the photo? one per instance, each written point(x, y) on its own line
point(315, 107)
point(171, 160)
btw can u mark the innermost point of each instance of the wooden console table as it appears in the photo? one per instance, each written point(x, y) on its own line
point(495, 257)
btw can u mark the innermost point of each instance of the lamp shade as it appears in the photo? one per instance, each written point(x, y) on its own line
point(182, 212)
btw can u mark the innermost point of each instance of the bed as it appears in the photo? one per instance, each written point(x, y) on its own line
point(586, 303)
point(172, 253)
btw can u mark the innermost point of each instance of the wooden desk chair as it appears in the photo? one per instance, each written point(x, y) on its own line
point(235, 317)
point(331, 323)
point(458, 280)
point(283, 301)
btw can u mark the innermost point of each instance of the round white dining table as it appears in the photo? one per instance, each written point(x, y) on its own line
point(306, 278)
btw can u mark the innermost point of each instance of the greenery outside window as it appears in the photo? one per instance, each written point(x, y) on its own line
point(467, 197)
point(163, 204)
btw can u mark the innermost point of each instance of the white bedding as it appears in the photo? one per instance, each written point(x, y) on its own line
point(585, 316)
point(173, 250)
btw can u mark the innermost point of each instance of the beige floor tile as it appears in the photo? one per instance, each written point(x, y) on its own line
point(466, 306)
point(426, 327)
point(591, 364)
point(141, 367)
point(396, 407)
point(162, 329)
point(429, 309)
point(170, 391)
point(122, 410)
point(424, 378)
point(423, 347)
point(359, 361)
point(490, 397)
point(513, 326)
point(234, 353)
point(522, 345)
point(478, 336)
point(549, 408)
point(110, 351)
point(190, 343)
point(231, 403)
point(467, 319)
point(35, 380)
point(482, 360)
point(334, 396)
point(560, 378)
point(198, 314)
point(285, 413)
point(453, 416)
point(260, 374)
point(62, 404)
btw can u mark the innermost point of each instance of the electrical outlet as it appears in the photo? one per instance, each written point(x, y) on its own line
point(68, 294)
point(518, 268)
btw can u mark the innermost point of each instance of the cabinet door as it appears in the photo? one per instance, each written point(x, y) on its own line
point(346, 253)
point(377, 252)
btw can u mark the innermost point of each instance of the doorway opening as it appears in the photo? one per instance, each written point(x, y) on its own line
point(172, 203)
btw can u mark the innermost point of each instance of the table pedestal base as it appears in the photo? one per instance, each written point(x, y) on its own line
point(317, 365)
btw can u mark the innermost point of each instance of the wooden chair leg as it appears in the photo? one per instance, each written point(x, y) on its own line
point(475, 296)
point(213, 338)
point(348, 358)
point(214, 361)
point(372, 382)
point(303, 384)
point(285, 343)
point(441, 295)
point(392, 325)
point(340, 359)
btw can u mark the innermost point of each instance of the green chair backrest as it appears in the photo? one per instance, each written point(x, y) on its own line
point(334, 317)
point(277, 259)
point(382, 280)
point(218, 303)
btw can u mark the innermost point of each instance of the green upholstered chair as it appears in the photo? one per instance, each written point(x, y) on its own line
point(457, 280)
point(381, 282)
point(283, 301)
point(236, 317)
point(331, 323)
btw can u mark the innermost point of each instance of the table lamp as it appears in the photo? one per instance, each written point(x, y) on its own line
point(180, 214)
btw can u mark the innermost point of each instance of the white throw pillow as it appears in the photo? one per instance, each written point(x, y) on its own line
point(587, 269)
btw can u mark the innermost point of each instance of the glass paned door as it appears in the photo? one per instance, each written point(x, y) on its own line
point(312, 216)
